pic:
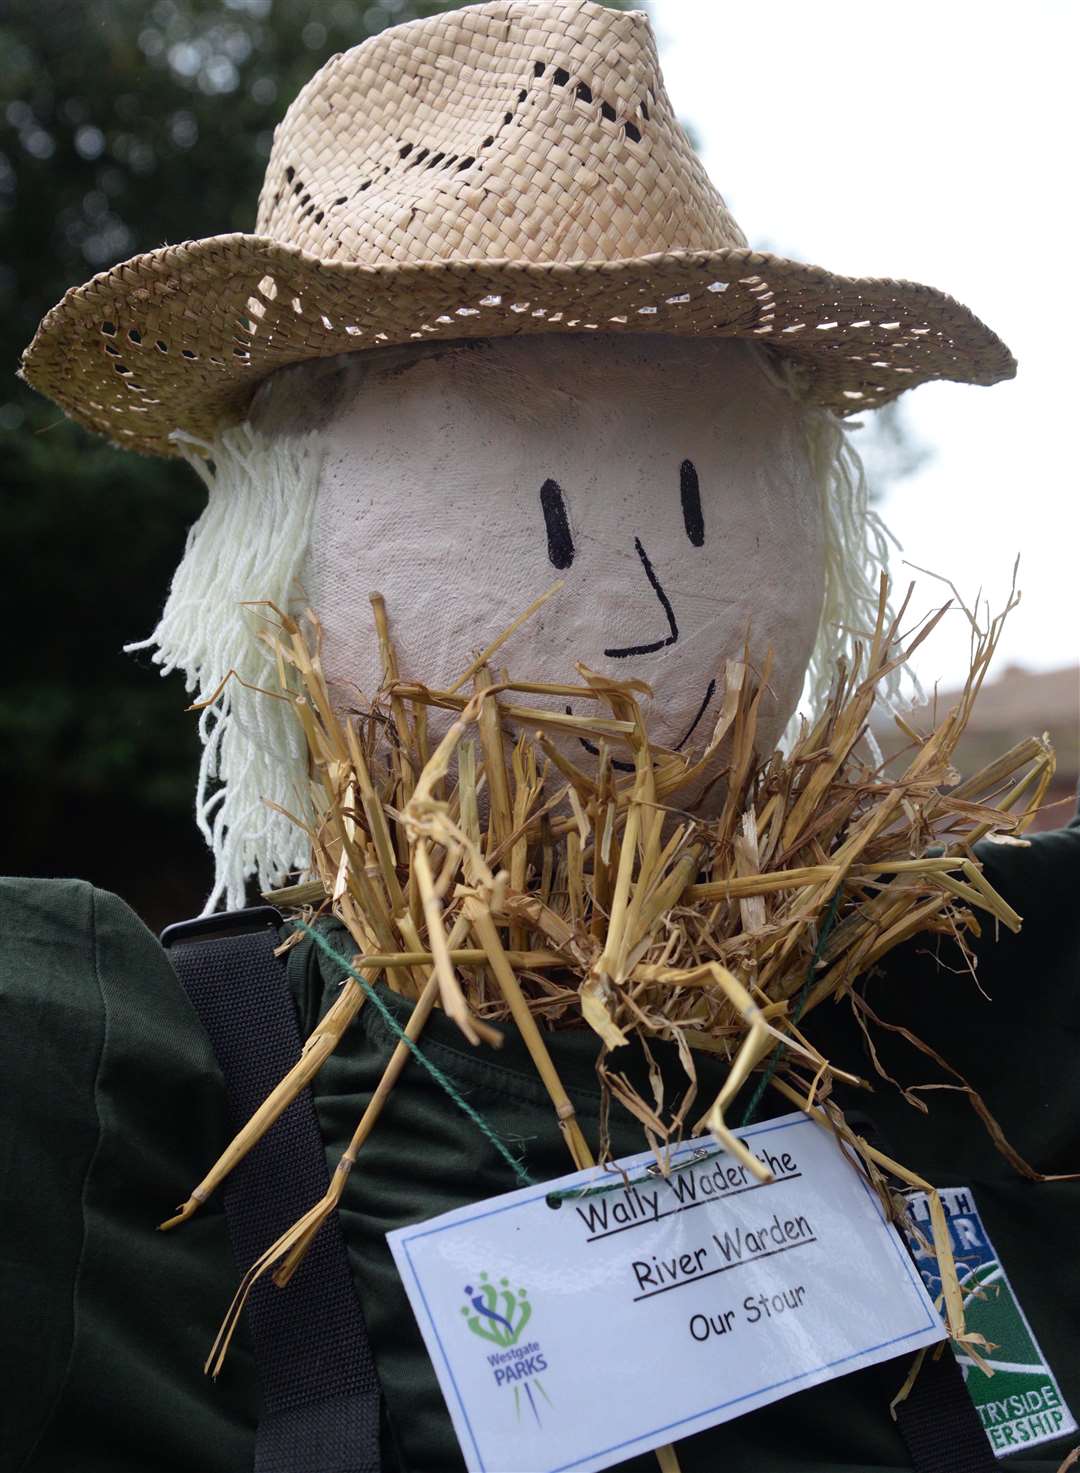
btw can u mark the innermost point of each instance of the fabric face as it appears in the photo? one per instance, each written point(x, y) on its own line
point(664, 480)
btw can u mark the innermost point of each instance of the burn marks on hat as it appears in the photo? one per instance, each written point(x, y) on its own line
point(138, 340)
point(307, 205)
point(293, 194)
point(584, 93)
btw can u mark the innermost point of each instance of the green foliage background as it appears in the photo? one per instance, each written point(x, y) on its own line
point(123, 126)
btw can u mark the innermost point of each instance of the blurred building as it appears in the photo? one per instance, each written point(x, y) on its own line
point(1020, 703)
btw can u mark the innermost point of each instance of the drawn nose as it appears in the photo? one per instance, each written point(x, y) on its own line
point(626, 651)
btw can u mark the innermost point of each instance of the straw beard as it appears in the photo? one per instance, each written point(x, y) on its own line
point(586, 899)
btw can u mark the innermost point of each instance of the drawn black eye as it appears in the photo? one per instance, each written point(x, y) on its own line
point(560, 542)
point(690, 493)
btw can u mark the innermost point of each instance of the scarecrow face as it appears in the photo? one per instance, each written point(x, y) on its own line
point(663, 480)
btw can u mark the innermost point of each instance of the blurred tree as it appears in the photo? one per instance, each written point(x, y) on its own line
point(123, 125)
point(890, 449)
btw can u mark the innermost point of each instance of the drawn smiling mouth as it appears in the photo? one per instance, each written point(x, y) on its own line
point(692, 513)
point(687, 734)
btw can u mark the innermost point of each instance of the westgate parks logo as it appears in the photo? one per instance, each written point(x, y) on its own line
point(499, 1315)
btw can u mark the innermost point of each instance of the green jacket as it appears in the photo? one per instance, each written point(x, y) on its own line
point(112, 1108)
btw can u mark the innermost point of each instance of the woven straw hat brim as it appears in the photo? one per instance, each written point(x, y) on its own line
point(180, 337)
point(510, 167)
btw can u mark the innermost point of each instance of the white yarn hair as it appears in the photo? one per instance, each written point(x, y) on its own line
point(856, 554)
point(249, 544)
point(856, 549)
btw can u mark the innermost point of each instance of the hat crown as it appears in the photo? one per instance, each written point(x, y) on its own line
point(512, 167)
point(528, 130)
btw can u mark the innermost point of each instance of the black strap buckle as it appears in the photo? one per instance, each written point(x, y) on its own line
point(223, 923)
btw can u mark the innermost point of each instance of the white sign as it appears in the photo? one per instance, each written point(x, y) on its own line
point(571, 1328)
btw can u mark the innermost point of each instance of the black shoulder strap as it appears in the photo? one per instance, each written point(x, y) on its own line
point(321, 1397)
point(939, 1423)
point(937, 1420)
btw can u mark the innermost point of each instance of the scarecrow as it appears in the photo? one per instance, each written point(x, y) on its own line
point(531, 515)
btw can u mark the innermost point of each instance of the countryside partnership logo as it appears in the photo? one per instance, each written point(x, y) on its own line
point(499, 1314)
point(1021, 1405)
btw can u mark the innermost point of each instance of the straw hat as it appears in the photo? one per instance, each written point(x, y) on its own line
point(512, 167)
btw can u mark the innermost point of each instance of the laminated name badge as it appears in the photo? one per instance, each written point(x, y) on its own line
point(572, 1328)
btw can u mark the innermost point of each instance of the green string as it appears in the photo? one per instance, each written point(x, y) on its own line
point(556, 1198)
point(696, 1158)
point(463, 1104)
point(800, 1003)
point(421, 1058)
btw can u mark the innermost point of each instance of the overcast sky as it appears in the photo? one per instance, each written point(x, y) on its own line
point(937, 142)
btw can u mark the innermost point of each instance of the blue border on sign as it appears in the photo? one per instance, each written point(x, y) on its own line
point(705, 1411)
